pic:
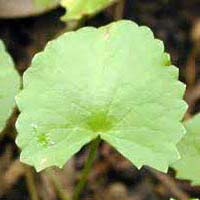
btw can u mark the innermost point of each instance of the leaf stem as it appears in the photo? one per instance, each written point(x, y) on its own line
point(88, 165)
point(119, 10)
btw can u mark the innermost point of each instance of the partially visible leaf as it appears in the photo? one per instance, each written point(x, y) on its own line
point(188, 167)
point(116, 82)
point(77, 9)
point(43, 4)
point(9, 86)
point(188, 199)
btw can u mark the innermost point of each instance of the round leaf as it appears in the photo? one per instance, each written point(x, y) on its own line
point(115, 82)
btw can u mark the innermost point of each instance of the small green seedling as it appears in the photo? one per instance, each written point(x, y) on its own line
point(9, 86)
point(114, 83)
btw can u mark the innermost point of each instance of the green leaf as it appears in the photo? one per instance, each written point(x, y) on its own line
point(43, 4)
point(115, 82)
point(76, 9)
point(188, 167)
point(188, 199)
point(9, 86)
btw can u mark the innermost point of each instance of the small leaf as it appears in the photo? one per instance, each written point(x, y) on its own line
point(114, 82)
point(188, 199)
point(9, 86)
point(188, 167)
point(76, 9)
point(43, 4)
